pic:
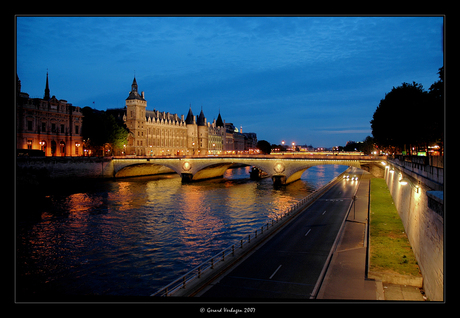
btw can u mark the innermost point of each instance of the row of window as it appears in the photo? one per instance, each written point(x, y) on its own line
point(162, 143)
point(54, 127)
point(167, 133)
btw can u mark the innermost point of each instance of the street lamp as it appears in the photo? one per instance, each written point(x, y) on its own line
point(293, 146)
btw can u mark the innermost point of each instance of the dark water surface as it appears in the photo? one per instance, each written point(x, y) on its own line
point(130, 237)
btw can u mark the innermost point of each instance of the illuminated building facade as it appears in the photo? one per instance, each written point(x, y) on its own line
point(47, 124)
point(155, 133)
point(152, 132)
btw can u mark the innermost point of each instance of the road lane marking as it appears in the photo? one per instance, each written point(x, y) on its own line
point(307, 232)
point(324, 212)
point(275, 272)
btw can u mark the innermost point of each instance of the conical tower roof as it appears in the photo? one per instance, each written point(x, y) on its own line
point(201, 119)
point(219, 121)
point(189, 120)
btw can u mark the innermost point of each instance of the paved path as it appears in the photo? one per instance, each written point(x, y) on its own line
point(346, 275)
point(345, 278)
point(289, 265)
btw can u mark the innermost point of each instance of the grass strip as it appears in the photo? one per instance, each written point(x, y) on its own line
point(390, 250)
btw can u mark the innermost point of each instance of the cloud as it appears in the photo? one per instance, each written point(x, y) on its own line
point(346, 131)
point(315, 76)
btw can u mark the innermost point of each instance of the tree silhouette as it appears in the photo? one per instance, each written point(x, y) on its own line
point(264, 146)
point(410, 116)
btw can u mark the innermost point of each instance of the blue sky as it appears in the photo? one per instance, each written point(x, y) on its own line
point(314, 80)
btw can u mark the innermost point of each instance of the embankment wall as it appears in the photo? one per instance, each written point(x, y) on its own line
point(421, 211)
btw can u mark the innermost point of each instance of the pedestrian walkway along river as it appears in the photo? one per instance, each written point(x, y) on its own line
point(129, 237)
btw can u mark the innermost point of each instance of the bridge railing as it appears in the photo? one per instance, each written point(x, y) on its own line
point(272, 156)
point(229, 254)
point(432, 161)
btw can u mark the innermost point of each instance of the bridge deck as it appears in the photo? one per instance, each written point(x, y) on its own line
point(271, 156)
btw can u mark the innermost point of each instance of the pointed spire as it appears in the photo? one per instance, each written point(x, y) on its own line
point(201, 118)
point(134, 85)
point(190, 118)
point(47, 88)
point(219, 122)
point(134, 94)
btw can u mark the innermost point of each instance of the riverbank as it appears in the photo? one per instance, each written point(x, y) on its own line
point(391, 257)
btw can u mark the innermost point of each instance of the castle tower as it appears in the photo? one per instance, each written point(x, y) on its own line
point(192, 133)
point(135, 121)
point(203, 132)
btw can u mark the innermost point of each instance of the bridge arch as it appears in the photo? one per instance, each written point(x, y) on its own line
point(142, 169)
point(135, 167)
point(198, 170)
point(282, 169)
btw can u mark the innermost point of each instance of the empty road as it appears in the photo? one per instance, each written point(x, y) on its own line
point(289, 264)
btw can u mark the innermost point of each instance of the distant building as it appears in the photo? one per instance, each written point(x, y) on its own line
point(155, 133)
point(152, 132)
point(250, 141)
point(47, 124)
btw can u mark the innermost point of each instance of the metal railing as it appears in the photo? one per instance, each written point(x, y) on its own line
point(228, 254)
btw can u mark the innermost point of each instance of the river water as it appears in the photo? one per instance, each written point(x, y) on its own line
point(130, 237)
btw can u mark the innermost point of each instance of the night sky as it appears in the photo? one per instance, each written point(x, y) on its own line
point(308, 80)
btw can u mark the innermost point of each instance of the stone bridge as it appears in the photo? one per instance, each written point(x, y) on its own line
point(282, 169)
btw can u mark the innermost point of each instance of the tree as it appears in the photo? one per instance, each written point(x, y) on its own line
point(280, 147)
point(117, 134)
point(436, 92)
point(100, 128)
point(368, 145)
point(402, 117)
point(264, 147)
point(410, 116)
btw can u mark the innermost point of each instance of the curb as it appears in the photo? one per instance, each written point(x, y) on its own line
point(397, 279)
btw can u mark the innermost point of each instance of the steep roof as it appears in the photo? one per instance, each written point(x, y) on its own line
point(201, 119)
point(134, 94)
point(219, 121)
point(190, 118)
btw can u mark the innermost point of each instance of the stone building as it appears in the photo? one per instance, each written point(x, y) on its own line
point(152, 132)
point(155, 133)
point(47, 124)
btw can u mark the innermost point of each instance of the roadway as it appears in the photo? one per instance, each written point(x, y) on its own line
point(289, 265)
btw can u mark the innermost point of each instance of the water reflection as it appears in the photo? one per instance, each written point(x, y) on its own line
point(132, 236)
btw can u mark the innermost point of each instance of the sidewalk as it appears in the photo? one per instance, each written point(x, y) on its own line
point(346, 276)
